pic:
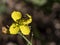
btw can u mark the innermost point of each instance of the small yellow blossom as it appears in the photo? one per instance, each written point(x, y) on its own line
point(25, 29)
point(22, 25)
point(28, 21)
point(14, 29)
point(16, 15)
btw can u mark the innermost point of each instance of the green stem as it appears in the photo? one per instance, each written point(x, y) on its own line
point(31, 37)
point(25, 38)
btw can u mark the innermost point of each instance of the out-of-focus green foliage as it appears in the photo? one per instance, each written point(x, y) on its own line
point(2, 8)
point(37, 2)
point(57, 1)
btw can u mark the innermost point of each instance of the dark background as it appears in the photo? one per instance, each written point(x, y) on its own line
point(45, 25)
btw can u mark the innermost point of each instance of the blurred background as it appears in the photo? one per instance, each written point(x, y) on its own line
point(45, 26)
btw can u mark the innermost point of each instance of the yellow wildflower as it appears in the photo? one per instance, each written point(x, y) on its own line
point(22, 25)
point(16, 15)
point(14, 29)
point(28, 21)
point(25, 29)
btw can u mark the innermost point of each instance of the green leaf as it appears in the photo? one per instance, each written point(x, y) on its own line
point(38, 2)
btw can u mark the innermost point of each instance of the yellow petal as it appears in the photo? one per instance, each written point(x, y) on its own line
point(14, 29)
point(28, 21)
point(16, 15)
point(25, 30)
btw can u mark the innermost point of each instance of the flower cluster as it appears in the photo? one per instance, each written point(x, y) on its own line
point(20, 25)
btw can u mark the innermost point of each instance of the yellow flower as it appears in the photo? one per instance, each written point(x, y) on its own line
point(16, 15)
point(25, 29)
point(22, 25)
point(28, 21)
point(14, 29)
